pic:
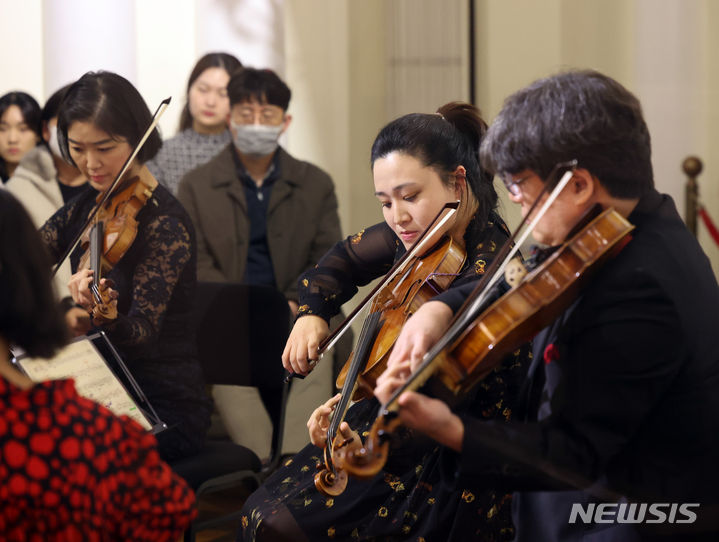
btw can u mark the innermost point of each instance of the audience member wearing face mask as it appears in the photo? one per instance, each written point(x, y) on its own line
point(261, 216)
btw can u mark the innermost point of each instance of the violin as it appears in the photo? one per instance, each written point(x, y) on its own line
point(422, 278)
point(110, 236)
point(115, 209)
point(469, 353)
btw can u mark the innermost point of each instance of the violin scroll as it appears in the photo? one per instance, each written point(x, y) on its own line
point(366, 461)
point(330, 482)
point(330, 479)
point(104, 309)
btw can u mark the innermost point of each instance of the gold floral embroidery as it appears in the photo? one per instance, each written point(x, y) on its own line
point(397, 485)
point(467, 496)
point(357, 237)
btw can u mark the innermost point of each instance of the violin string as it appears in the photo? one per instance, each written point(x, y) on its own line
point(361, 353)
point(153, 123)
point(471, 313)
point(440, 220)
point(422, 373)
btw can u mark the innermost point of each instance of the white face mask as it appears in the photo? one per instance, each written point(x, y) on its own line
point(53, 143)
point(255, 139)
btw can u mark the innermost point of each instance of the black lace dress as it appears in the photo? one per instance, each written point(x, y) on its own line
point(415, 497)
point(156, 281)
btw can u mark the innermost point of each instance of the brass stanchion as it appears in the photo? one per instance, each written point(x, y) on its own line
point(692, 167)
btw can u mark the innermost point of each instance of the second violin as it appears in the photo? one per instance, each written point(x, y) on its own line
point(467, 355)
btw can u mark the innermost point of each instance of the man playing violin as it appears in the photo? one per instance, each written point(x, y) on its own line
point(618, 431)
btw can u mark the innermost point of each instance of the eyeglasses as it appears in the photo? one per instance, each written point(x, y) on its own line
point(557, 171)
point(513, 184)
point(265, 114)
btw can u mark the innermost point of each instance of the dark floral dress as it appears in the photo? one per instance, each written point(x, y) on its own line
point(156, 281)
point(415, 497)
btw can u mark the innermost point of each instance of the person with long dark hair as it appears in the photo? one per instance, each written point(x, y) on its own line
point(419, 163)
point(71, 470)
point(203, 122)
point(102, 118)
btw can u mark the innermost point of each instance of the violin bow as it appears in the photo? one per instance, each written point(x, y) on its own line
point(422, 243)
point(468, 311)
point(153, 124)
point(418, 247)
point(479, 294)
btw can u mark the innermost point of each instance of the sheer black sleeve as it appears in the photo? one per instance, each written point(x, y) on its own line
point(59, 227)
point(166, 251)
point(353, 262)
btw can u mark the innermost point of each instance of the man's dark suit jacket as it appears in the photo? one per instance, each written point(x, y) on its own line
point(622, 394)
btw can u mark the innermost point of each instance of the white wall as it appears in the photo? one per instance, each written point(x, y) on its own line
point(154, 43)
point(664, 51)
point(333, 54)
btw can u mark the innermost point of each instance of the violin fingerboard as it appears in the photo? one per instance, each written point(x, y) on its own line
point(96, 238)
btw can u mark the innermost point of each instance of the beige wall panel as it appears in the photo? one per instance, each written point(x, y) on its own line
point(708, 105)
point(21, 43)
point(318, 73)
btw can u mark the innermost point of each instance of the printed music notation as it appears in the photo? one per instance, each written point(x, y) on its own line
point(81, 361)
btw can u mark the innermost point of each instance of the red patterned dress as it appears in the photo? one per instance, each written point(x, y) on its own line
point(70, 470)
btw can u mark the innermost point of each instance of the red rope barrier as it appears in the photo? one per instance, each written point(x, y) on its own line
point(713, 231)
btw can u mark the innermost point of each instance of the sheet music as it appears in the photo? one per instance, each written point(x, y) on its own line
point(81, 361)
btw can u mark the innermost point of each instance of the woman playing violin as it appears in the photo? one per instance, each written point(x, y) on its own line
point(420, 162)
point(622, 397)
point(102, 119)
point(51, 493)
